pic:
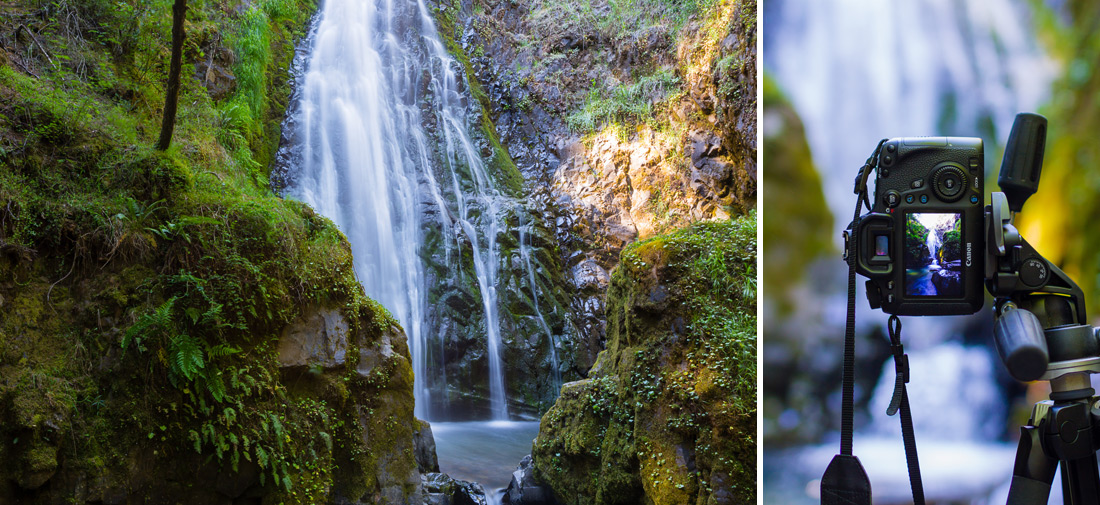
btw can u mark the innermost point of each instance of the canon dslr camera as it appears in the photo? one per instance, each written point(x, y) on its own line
point(921, 245)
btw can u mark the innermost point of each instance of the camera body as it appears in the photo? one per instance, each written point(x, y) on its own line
point(922, 245)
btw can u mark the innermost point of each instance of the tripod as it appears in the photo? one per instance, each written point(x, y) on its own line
point(1041, 334)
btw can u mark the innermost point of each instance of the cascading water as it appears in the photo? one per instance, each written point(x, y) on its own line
point(379, 142)
point(935, 224)
point(933, 247)
point(525, 253)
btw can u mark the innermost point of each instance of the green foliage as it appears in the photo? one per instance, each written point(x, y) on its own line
point(916, 236)
point(621, 22)
point(185, 357)
point(951, 250)
point(156, 324)
point(624, 103)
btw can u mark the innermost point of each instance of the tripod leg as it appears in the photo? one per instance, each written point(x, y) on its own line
point(1033, 473)
point(1079, 481)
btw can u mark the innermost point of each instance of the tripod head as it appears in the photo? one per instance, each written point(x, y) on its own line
point(1041, 330)
point(1042, 333)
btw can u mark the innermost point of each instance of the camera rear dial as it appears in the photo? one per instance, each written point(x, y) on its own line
point(949, 182)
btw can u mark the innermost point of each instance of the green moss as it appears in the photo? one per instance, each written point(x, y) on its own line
point(676, 387)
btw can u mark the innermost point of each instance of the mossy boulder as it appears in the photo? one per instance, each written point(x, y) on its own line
point(667, 414)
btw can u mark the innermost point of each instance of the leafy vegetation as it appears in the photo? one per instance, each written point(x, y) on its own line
point(624, 103)
point(916, 236)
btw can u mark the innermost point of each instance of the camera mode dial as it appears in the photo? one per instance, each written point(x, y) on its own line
point(949, 182)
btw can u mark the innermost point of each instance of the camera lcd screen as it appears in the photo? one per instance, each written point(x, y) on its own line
point(933, 255)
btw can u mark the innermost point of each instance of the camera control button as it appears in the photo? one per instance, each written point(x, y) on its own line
point(887, 159)
point(917, 184)
point(923, 198)
point(891, 198)
point(974, 199)
point(891, 148)
point(890, 285)
point(909, 198)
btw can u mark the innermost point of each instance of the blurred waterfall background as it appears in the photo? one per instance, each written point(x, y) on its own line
point(840, 76)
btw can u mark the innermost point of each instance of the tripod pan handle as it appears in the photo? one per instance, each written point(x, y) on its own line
point(1021, 343)
point(1023, 160)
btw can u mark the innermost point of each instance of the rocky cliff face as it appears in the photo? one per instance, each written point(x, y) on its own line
point(626, 120)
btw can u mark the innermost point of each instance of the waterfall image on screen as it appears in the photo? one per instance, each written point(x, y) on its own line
point(933, 254)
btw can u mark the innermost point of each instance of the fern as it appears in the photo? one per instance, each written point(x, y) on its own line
point(230, 417)
point(215, 386)
point(157, 322)
point(186, 357)
point(261, 456)
point(221, 351)
point(194, 436)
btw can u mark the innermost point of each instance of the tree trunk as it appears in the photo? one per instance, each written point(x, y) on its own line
point(179, 11)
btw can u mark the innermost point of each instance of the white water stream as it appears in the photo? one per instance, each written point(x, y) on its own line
point(382, 131)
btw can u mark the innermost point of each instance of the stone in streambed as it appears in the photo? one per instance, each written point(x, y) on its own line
point(442, 489)
point(424, 445)
point(524, 489)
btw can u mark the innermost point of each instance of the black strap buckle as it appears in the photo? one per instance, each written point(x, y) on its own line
point(901, 364)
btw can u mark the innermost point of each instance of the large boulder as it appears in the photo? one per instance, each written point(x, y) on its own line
point(667, 414)
point(318, 337)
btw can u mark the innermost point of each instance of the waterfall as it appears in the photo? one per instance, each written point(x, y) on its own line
point(936, 224)
point(525, 253)
point(933, 246)
point(379, 140)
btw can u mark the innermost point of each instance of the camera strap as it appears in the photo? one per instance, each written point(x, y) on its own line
point(845, 481)
point(901, 400)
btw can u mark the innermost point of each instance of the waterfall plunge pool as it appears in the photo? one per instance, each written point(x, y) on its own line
point(485, 452)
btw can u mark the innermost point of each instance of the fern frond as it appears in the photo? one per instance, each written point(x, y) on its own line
point(215, 385)
point(187, 357)
point(222, 350)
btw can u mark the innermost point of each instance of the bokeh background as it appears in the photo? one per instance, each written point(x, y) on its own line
point(839, 76)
